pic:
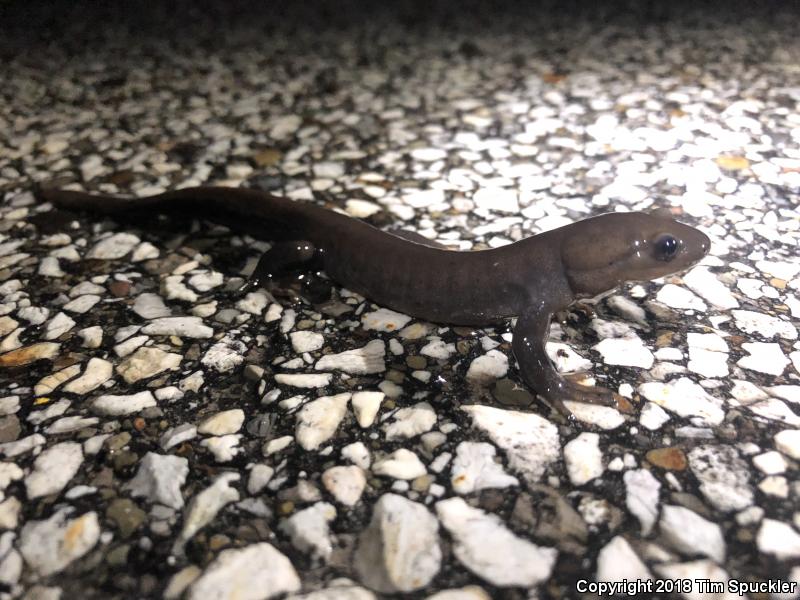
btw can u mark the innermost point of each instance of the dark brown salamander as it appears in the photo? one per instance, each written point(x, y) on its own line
point(529, 279)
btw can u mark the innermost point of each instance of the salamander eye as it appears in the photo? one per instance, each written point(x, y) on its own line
point(666, 247)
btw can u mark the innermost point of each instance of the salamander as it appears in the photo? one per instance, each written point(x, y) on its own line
point(529, 279)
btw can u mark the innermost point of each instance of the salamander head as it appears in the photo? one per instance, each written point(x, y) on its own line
point(600, 253)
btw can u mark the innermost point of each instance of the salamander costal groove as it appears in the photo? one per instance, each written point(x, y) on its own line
point(529, 279)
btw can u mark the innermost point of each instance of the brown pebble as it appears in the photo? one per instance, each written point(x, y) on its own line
point(778, 283)
point(139, 423)
point(286, 508)
point(218, 541)
point(416, 362)
point(119, 289)
point(267, 157)
point(29, 354)
point(672, 459)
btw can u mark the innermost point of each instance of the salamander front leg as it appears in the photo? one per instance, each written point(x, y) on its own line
point(284, 258)
point(530, 335)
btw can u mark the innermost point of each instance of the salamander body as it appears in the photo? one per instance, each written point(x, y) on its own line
point(529, 279)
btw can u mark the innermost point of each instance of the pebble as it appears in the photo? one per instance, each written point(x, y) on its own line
point(92, 336)
point(399, 550)
point(788, 442)
point(49, 383)
point(224, 448)
point(177, 435)
point(29, 354)
point(411, 421)
point(184, 327)
point(150, 306)
point(362, 361)
point(626, 352)
point(530, 442)
point(309, 532)
point(723, 476)
point(583, 458)
point(487, 548)
point(306, 341)
point(704, 283)
point(400, 464)
point(475, 468)
point(222, 423)
point(384, 319)
point(159, 479)
point(53, 469)
point(604, 417)
point(203, 508)
point(252, 573)
point(357, 454)
point(146, 363)
point(345, 483)
point(678, 297)
point(58, 326)
point(366, 406)
point(97, 372)
point(260, 476)
point(22, 445)
point(764, 358)
point(641, 497)
point(617, 562)
point(487, 368)
point(82, 304)
point(779, 539)
point(48, 546)
point(691, 534)
point(224, 356)
point(685, 398)
point(319, 419)
point(113, 247)
point(119, 405)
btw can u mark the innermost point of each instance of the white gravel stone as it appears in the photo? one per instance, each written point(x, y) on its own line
point(685, 398)
point(48, 383)
point(604, 417)
point(400, 464)
point(723, 475)
point(345, 483)
point(113, 247)
point(319, 419)
point(146, 363)
point(704, 283)
point(35, 315)
point(361, 209)
point(584, 458)
point(224, 356)
point(223, 447)
point(206, 280)
point(530, 442)
point(53, 469)
point(260, 476)
point(641, 497)
point(189, 327)
point(97, 372)
point(159, 479)
point(617, 562)
point(487, 368)
point(366, 406)
point(309, 532)
point(628, 352)
point(498, 199)
point(150, 306)
point(255, 572)
point(357, 453)
point(9, 472)
point(306, 341)
point(484, 545)
point(678, 297)
point(22, 445)
point(766, 326)
point(222, 423)
point(779, 539)
point(399, 549)
point(410, 421)
point(691, 534)
point(70, 424)
point(302, 380)
point(764, 358)
point(437, 349)
point(428, 154)
point(788, 442)
point(770, 463)
point(362, 361)
point(177, 435)
point(81, 304)
point(92, 336)
point(204, 507)
point(384, 319)
point(119, 405)
point(475, 468)
point(424, 198)
point(50, 545)
point(277, 444)
point(57, 326)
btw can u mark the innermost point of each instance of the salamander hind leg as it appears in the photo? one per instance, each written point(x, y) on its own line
point(530, 335)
